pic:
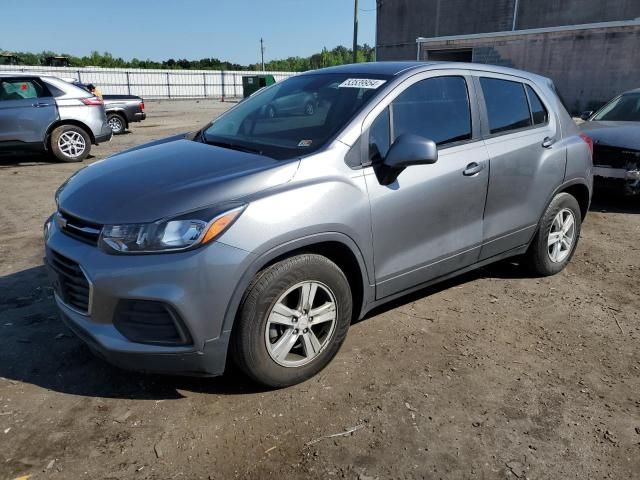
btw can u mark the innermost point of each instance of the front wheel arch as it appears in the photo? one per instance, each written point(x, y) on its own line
point(337, 247)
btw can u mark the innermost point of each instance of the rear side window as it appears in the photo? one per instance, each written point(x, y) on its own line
point(435, 108)
point(538, 112)
point(15, 89)
point(507, 105)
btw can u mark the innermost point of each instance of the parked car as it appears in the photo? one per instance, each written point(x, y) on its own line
point(121, 109)
point(47, 114)
point(265, 238)
point(293, 103)
point(615, 130)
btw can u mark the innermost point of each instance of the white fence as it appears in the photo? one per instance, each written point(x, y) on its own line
point(149, 83)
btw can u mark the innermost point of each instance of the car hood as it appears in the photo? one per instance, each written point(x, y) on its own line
point(614, 134)
point(166, 178)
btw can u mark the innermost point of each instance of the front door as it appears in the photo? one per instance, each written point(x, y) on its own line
point(428, 222)
point(26, 111)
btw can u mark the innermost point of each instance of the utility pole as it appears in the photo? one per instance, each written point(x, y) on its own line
point(262, 52)
point(355, 31)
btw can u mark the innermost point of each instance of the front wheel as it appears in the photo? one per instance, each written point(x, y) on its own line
point(557, 237)
point(292, 321)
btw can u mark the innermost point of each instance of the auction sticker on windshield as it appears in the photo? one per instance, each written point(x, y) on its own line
point(369, 83)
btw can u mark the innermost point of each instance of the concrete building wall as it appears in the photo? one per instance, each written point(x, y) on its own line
point(588, 67)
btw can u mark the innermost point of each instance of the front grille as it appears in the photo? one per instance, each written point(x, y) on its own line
point(147, 321)
point(79, 229)
point(72, 285)
point(615, 157)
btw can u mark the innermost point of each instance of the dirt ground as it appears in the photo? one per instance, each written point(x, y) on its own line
point(492, 375)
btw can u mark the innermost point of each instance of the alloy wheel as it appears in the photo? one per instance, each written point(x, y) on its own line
point(561, 236)
point(300, 324)
point(72, 144)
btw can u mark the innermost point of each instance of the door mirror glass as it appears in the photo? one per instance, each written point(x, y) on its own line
point(410, 149)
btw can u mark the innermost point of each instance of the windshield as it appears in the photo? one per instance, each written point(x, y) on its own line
point(625, 108)
point(294, 117)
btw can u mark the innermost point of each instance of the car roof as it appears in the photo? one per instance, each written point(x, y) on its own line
point(399, 68)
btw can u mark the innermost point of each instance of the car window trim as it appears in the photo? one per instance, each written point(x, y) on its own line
point(526, 92)
point(375, 110)
point(486, 131)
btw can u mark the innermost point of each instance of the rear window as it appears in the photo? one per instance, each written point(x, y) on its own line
point(16, 89)
point(507, 105)
point(538, 112)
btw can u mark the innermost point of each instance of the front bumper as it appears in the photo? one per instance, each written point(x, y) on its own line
point(197, 284)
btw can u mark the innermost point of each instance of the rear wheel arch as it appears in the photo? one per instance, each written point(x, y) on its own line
point(59, 123)
point(581, 193)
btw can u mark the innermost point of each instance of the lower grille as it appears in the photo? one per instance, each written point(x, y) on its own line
point(146, 321)
point(615, 157)
point(72, 285)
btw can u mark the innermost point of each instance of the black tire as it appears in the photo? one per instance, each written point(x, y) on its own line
point(248, 345)
point(538, 257)
point(117, 123)
point(59, 152)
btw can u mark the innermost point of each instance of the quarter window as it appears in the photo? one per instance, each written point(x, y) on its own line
point(538, 112)
point(436, 109)
point(15, 89)
point(507, 105)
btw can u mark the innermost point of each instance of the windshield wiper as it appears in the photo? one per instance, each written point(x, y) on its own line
point(231, 146)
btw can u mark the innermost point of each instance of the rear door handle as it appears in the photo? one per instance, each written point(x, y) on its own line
point(472, 169)
point(548, 142)
point(40, 104)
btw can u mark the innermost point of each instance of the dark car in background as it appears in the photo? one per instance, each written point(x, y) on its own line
point(121, 109)
point(615, 130)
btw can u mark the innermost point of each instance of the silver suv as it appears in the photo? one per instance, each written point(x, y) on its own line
point(263, 237)
point(43, 113)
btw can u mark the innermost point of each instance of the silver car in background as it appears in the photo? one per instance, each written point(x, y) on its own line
point(261, 238)
point(41, 113)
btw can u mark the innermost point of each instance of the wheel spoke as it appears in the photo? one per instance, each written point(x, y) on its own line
point(566, 243)
point(568, 223)
point(307, 295)
point(285, 343)
point(282, 315)
point(324, 313)
point(554, 237)
point(311, 343)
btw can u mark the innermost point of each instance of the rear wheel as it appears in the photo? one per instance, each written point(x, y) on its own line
point(293, 319)
point(117, 123)
point(70, 143)
point(557, 238)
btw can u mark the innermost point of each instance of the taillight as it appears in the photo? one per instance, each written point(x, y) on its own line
point(142, 106)
point(93, 101)
point(588, 140)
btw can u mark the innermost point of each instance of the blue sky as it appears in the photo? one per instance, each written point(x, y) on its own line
point(161, 29)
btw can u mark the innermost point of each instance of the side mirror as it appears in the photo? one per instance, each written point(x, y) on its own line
point(585, 115)
point(409, 149)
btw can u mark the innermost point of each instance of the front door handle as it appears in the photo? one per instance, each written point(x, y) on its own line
point(41, 104)
point(472, 169)
point(548, 142)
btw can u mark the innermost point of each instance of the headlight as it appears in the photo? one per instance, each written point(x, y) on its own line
point(182, 233)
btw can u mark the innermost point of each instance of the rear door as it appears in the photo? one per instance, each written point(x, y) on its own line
point(527, 159)
point(428, 222)
point(26, 110)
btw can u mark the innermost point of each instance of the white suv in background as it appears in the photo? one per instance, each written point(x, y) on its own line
point(48, 114)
